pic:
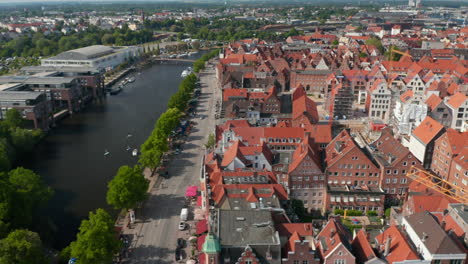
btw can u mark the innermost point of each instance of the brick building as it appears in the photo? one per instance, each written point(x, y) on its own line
point(459, 172)
point(361, 198)
point(349, 164)
point(395, 161)
point(446, 148)
point(306, 177)
point(333, 244)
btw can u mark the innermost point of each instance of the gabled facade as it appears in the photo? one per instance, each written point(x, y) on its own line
point(306, 178)
point(422, 140)
point(333, 244)
point(458, 105)
point(379, 102)
point(348, 164)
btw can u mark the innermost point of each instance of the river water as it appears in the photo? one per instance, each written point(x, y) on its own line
point(71, 158)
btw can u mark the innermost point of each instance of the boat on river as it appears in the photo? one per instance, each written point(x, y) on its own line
point(106, 153)
point(186, 72)
point(131, 79)
point(135, 152)
point(115, 91)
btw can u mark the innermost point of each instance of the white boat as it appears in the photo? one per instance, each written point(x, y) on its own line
point(186, 72)
point(129, 148)
point(135, 152)
point(131, 79)
point(106, 152)
point(192, 53)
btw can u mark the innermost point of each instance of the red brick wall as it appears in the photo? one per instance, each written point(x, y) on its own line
point(340, 253)
point(441, 161)
point(458, 176)
point(394, 180)
point(302, 252)
point(357, 160)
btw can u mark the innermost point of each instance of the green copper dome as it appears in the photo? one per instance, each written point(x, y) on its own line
point(211, 245)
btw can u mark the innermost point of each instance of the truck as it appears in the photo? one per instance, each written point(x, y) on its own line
point(184, 214)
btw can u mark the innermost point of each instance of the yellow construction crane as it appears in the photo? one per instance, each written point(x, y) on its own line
point(392, 50)
point(438, 184)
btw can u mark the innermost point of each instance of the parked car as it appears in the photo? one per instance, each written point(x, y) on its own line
point(178, 254)
point(181, 243)
point(182, 225)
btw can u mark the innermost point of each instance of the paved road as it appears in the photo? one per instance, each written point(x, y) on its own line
point(156, 230)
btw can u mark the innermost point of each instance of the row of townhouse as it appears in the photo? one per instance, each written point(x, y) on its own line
point(272, 147)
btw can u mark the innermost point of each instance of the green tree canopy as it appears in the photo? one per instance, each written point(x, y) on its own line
point(29, 193)
point(13, 118)
point(24, 140)
point(211, 142)
point(167, 122)
point(374, 41)
point(128, 188)
point(21, 247)
point(96, 241)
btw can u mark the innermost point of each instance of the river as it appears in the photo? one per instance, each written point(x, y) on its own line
point(71, 158)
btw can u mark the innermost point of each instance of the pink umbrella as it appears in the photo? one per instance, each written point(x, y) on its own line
point(191, 191)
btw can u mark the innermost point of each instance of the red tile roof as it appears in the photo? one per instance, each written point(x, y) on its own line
point(333, 234)
point(453, 88)
point(362, 249)
point(253, 191)
point(433, 101)
point(427, 130)
point(233, 152)
point(430, 203)
point(305, 106)
point(457, 100)
point(452, 225)
point(321, 133)
point(287, 229)
point(406, 96)
point(217, 177)
point(302, 151)
point(400, 250)
point(292, 242)
point(339, 146)
point(241, 93)
point(457, 140)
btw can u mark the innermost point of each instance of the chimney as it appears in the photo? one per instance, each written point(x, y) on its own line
point(424, 236)
point(388, 242)
point(332, 232)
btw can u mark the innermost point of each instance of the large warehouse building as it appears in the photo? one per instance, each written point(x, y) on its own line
point(97, 56)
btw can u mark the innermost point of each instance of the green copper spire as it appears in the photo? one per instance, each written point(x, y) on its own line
point(211, 244)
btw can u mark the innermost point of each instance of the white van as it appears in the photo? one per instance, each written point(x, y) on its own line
point(184, 214)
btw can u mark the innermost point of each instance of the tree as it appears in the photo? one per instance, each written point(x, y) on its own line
point(128, 188)
point(96, 241)
point(107, 39)
point(392, 56)
point(374, 41)
point(167, 122)
point(6, 195)
point(13, 118)
point(211, 141)
point(362, 55)
point(5, 162)
point(29, 193)
point(151, 158)
point(24, 140)
point(22, 247)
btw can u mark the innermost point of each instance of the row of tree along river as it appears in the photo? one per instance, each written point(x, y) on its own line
point(79, 157)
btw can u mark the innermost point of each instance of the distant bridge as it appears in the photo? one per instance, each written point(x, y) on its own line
point(173, 59)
